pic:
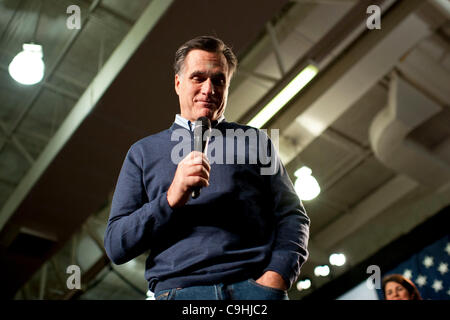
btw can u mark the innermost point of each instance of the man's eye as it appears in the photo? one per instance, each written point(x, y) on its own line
point(219, 82)
point(197, 77)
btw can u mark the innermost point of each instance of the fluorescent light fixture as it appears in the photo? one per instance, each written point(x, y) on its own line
point(27, 66)
point(284, 96)
point(306, 185)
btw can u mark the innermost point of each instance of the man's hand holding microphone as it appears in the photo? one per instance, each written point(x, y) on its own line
point(193, 171)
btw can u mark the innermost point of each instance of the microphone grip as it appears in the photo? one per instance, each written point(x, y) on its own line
point(196, 193)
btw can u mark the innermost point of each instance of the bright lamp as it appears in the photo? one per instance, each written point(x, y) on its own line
point(27, 67)
point(306, 185)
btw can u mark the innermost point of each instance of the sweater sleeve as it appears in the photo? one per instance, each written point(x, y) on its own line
point(289, 252)
point(134, 220)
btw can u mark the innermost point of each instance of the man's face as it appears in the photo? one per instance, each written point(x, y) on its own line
point(202, 85)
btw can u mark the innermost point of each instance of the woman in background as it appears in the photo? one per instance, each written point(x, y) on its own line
point(397, 287)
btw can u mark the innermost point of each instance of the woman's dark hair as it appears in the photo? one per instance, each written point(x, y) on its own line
point(405, 282)
point(207, 43)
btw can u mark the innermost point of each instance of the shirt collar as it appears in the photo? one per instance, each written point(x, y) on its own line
point(190, 125)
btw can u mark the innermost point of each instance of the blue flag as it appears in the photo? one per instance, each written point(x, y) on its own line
point(429, 269)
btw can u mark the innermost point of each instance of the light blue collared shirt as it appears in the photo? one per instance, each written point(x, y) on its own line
point(189, 124)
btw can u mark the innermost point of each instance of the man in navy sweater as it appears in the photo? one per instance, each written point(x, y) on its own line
point(246, 235)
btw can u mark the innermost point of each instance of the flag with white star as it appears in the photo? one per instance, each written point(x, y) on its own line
point(429, 270)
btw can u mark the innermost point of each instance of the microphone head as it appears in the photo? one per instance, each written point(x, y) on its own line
point(203, 122)
point(202, 126)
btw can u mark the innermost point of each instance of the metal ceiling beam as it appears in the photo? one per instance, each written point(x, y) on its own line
point(86, 103)
point(377, 202)
point(330, 237)
point(49, 73)
point(343, 76)
point(71, 80)
point(443, 5)
point(19, 5)
point(257, 75)
point(353, 20)
point(43, 282)
point(7, 183)
point(52, 87)
point(339, 86)
point(276, 47)
point(22, 150)
point(407, 110)
point(87, 277)
point(427, 74)
point(348, 224)
point(115, 14)
point(62, 92)
point(57, 272)
point(93, 154)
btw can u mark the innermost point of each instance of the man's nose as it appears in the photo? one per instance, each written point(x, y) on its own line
point(208, 87)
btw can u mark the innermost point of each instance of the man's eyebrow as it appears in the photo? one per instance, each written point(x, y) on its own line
point(198, 73)
point(205, 74)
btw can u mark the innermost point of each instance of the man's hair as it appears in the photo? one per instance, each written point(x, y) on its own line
point(206, 43)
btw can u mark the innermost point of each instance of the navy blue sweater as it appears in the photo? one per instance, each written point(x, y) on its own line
point(242, 225)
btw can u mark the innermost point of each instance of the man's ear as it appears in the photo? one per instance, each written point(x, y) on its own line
point(177, 83)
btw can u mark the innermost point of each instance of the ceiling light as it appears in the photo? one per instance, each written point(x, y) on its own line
point(284, 96)
point(306, 185)
point(337, 259)
point(303, 284)
point(322, 271)
point(27, 67)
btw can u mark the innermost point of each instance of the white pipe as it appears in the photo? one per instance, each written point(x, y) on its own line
point(443, 5)
point(407, 109)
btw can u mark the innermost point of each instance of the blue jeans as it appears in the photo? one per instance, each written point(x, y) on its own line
point(244, 290)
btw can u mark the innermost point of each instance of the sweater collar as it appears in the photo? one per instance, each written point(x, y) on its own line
point(187, 124)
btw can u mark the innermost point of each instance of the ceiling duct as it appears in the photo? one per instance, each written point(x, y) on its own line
point(407, 109)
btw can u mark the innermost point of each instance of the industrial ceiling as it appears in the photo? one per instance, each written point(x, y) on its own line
point(373, 125)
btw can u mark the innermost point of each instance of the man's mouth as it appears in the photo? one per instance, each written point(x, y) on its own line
point(206, 103)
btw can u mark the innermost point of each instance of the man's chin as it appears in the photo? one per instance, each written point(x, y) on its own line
point(206, 113)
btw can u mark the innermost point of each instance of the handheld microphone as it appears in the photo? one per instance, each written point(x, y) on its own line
point(202, 126)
